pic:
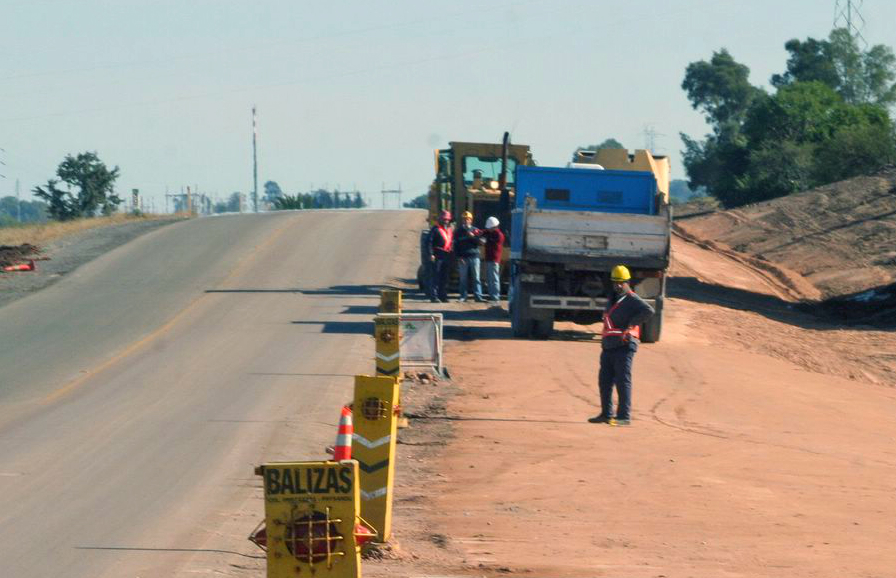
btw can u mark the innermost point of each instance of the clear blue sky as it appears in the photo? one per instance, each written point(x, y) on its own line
point(359, 93)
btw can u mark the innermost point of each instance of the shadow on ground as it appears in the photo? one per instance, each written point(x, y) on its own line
point(808, 315)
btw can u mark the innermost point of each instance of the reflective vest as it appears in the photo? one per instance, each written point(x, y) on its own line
point(447, 236)
point(609, 329)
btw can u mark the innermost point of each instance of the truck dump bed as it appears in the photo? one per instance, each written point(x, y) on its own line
point(591, 239)
point(589, 218)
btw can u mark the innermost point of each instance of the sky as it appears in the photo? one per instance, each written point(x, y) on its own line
point(356, 95)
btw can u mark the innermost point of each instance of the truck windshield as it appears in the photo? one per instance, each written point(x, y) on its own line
point(490, 167)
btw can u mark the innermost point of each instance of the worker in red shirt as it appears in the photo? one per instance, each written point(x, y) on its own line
point(494, 246)
point(441, 241)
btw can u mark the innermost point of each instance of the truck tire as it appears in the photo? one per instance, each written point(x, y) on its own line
point(542, 328)
point(520, 312)
point(653, 327)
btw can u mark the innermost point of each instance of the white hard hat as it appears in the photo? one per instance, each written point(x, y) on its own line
point(491, 223)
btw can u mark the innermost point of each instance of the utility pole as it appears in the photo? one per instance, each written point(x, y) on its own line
point(254, 161)
point(18, 203)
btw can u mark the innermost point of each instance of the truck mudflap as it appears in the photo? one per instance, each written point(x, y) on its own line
point(562, 302)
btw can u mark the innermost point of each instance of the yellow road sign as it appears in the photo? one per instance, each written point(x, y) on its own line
point(387, 352)
point(311, 511)
point(373, 446)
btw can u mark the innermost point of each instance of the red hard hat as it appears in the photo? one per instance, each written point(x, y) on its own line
point(444, 216)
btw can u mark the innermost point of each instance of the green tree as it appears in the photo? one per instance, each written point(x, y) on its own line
point(358, 201)
point(287, 202)
point(854, 150)
point(721, 89)
point(272, 191)
point(31, 211)
point(419, 202)
point(610, 143)
point(89, 188)
point(860, 77)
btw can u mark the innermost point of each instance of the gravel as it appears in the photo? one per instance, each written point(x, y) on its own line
point(68, 253)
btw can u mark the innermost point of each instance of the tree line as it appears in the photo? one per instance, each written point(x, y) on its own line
point(826, 119)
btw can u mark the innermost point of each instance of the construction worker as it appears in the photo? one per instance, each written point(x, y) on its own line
point(494, 245)
point(619, 342)
point(441, 242)
point(466, 249)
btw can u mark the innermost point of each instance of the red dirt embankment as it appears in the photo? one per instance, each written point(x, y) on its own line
point(841, 237)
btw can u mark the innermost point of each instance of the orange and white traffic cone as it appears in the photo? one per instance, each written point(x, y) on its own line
point(29, 266)
point(343, 448)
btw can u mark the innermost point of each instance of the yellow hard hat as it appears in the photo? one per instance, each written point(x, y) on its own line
point(620, 274)
point(467, 215)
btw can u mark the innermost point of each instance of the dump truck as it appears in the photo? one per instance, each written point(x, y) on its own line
point(572, 225)
point(475, 177)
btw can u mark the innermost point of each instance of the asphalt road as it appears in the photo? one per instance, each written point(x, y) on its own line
point(137, 394)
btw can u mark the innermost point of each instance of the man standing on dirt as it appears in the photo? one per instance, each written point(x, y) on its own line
point(441, 240)
point(494, 245)
point(619, 342)
point(466, 248)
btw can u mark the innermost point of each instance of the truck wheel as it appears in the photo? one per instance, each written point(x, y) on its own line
point(542, 328)
point(652, 328)
point(520, 314)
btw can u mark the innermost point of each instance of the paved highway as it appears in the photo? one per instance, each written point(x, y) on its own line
point(138, 393)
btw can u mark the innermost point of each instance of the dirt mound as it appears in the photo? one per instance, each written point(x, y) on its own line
point(13, 254)
point(841, 238)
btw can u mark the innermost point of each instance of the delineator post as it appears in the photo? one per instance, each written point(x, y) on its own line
point(373, 446)
point(390, 301)
point(387, 352)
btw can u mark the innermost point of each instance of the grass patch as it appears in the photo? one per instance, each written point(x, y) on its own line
point(42, 233)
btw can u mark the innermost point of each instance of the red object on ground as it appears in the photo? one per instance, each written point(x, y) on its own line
point(29, 266)
point(343, 448)
point(363, 534)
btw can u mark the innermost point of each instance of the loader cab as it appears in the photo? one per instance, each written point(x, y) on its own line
point(467, 179)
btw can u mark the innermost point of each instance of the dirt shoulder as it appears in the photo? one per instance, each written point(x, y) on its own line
point(65, 254)
point(761, 446)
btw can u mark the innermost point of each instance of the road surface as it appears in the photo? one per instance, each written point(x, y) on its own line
point(138, 394)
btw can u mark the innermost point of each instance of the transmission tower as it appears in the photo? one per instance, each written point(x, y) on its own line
point(847, 14)
point(650, 135)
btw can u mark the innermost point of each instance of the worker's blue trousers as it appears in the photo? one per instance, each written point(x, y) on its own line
point(616, 368)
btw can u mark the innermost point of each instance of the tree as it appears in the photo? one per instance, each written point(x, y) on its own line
point(420, 202)
point(824, 122)
point(809, 61)
point(272, 191)
point(31, 211)
point(860, 77)
point(89, 188)
point(358, 202)
point(721, 89)
point(854, 150)
point(610, 143)
point(287, 202)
